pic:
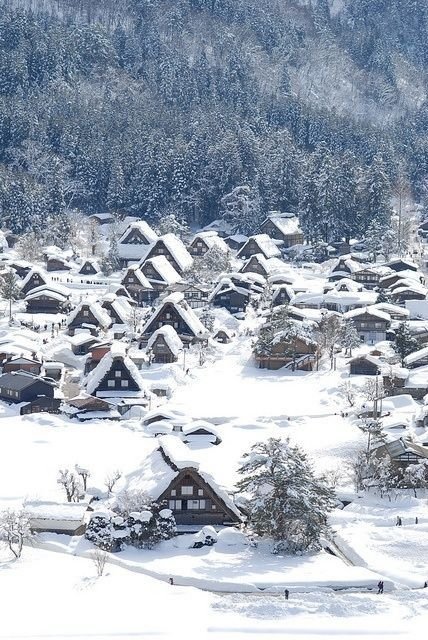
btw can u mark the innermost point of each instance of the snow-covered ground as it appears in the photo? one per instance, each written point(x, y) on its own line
point(52, 596)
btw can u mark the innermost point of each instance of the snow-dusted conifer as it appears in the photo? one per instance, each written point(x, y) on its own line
point(287, 502)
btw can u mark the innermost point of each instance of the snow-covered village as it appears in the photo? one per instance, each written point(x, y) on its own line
point(193, 413)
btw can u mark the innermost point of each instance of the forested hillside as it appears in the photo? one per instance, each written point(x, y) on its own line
point(157, 106)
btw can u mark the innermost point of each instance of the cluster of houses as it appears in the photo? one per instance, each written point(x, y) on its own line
point(82, 343)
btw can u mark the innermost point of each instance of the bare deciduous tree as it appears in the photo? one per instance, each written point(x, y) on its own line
point(348, 392)
point(71, 485)
point(99, 558)
point(84, 474)
point(111, 479)
point(14, 530)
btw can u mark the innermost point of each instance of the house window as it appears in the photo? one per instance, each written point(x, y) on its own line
point(175, 505)
point(124, 383)
point(213, 506)
point(117, 374)
point(111, 383)
point(173, 492)
point(175, 325)
point(200, 492)
point(187, 490)
point(196, 504)
point(85, 312)
point(168, 316)
point(131, 279)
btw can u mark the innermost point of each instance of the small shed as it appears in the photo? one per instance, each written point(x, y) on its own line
point(67, 518)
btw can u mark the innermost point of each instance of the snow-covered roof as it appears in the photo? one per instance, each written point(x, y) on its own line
point(120, 305)
point(392, 309)
point(46, 510)
point(143, 227)
point(135, 271)
point(416, 355)
point(266, 245)
point(97, 311)
point(51, 291)
point(177, 250)
point(186, 313)
point(170, 336)
point(117, 350)
point(164, 268)
point(156, 474)
point(287, 225)
point(371, 311)
point(211, 239)
point(35, 271)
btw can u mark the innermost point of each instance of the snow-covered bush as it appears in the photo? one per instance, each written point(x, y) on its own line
point(143, 529)
point(206, 537)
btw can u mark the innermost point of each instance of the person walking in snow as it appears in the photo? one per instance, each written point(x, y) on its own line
point(286, 594)
point(380, 586)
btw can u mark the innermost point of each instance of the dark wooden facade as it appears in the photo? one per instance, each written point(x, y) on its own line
point(161, 352)
point(84, 317)
point(22, 364)
point(41, 405)
point(45, 303)
point(254, 265)
point(194, 502)
point(21, 388)
point(88, 268)
point(232, 300)
point(160, 249)
point(363, 367)
point(300, 355)
point(36, 280)
point(56, 264)
point(117, 378)
point(288, 239)
point(168, 315)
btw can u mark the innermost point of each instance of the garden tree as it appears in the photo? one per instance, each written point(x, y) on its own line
point(207, 268)
point(170, 223)
point(99, 558)
point(111, 480)
point(382, 475)
point(71, 484)
point(373, 391)
point(84, 474)
point(286, 501)
point(374, 238)
point(9, 288)
point(404, 343)
point(29, 247)
point(360, 470)
point(350, 337)
point(207, 318)
point(100, 531)
point(383, 296)
point(415, 476)
point(375, 435)
point(347, 390)
point(15, 530)
point(329, 334)
point(241, 208)
point(150, 526)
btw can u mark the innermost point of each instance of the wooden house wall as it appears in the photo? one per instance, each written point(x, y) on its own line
point(117, 373)
point(212, 511)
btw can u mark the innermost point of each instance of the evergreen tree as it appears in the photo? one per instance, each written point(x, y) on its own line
point(9, 288)
point(242, 209)
point(405, 343)
point(287, 502)
point(350, 337)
